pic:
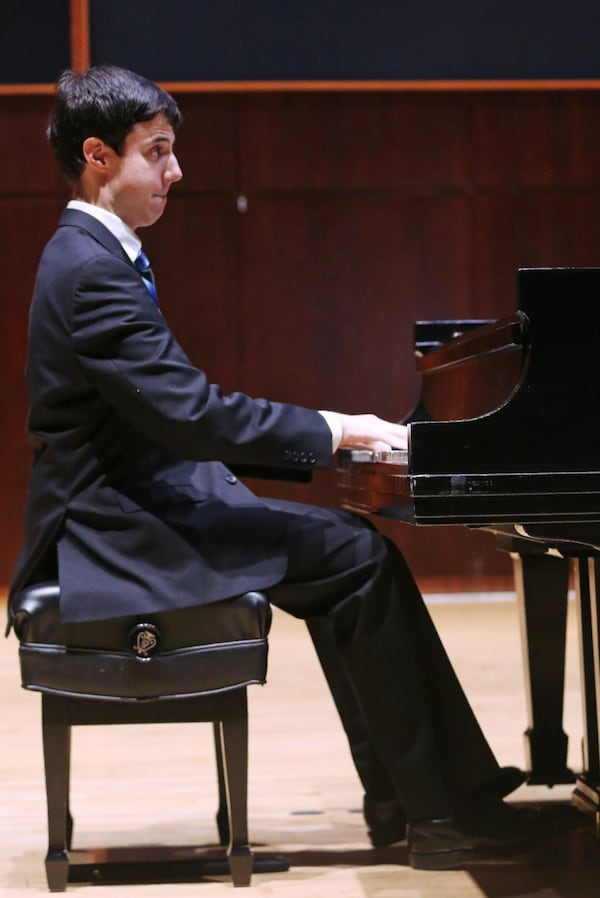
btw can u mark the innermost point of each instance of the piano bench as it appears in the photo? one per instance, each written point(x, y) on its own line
point(182, 665)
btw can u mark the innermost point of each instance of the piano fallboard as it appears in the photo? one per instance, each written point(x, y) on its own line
point(378, 486)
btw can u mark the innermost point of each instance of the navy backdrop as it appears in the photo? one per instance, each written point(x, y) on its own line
point(205, 40)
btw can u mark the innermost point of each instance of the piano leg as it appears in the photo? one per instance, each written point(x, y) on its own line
point(542, 584)
point(586, 795)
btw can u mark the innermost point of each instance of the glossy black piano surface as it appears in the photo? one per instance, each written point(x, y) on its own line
point(506, 437)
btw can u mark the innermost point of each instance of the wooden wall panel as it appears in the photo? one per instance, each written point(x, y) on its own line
point(205, 144)
point(351, 141)
point(528, 229)
point(27, 166)
point(32, 194)
point(331, 287)
point(24, 229)
point(535, 140)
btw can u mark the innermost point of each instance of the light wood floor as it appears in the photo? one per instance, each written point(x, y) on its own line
point(155, 785)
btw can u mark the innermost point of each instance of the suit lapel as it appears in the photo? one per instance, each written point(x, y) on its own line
point(76, 219)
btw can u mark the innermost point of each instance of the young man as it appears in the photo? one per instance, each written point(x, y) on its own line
point(132, 506)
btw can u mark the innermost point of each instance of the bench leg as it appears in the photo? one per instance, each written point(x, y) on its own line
point(56, 733)
point(233, 741)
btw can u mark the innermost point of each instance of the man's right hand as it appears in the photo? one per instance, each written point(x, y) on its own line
point(372, 433)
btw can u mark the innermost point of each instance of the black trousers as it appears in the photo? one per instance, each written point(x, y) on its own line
point(411, 730)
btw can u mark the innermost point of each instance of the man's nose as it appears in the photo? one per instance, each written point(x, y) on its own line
point(174, 172)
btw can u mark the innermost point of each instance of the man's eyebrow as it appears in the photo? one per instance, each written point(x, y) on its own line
point(160, 138)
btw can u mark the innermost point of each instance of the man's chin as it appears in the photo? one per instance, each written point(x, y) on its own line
point(150, 220)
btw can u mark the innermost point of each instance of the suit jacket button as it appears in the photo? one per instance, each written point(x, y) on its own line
point(287, 454)
point(311, 458)
point(303, 457)
point(231, 478)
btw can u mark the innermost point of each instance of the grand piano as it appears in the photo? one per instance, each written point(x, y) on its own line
point(506, 437)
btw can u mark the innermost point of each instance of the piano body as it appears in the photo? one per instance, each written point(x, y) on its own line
point(506, 437)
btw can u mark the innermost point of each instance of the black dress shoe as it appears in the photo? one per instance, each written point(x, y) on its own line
point(487, 830)
point(386, 820)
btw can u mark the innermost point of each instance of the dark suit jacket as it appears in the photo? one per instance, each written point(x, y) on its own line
point(129, 488)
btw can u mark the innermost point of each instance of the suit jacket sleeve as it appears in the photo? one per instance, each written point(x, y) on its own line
point(127, 352)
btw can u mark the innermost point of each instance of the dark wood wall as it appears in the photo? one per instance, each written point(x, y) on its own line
point(309, 233)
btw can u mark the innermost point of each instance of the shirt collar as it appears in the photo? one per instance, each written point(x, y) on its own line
point(128, 239)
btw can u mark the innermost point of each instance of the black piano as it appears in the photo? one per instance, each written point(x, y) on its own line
point(506, 437)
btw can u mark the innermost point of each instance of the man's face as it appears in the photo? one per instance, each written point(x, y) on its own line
point(141, 177)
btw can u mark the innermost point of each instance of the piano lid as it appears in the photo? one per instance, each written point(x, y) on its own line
point(550, 422)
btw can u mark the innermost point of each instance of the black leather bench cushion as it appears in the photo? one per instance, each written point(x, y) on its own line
point(182, 652)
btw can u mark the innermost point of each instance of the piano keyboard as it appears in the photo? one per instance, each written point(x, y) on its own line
point(390, 457)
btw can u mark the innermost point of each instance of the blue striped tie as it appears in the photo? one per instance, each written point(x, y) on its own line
point(142, 264)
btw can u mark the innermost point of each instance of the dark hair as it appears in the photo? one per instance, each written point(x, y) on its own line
point(104, 102)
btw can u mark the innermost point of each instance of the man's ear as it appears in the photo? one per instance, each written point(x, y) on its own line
point(97, 154)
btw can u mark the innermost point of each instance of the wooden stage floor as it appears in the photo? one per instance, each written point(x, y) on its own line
point(156, 785)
